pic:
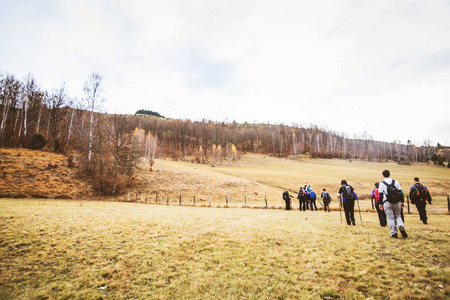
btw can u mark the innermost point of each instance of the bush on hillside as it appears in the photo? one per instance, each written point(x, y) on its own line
point(38, 141)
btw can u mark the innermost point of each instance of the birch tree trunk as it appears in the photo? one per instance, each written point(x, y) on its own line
point(92, 92)
point(39, 118)
point(70, 128)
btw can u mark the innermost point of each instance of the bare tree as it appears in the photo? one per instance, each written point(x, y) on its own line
point(119, 139)
point(56, 103)
point(31, 106)
point(10, 92)
point(92, 91)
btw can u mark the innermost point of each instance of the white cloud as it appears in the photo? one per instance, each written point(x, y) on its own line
point(285, 61)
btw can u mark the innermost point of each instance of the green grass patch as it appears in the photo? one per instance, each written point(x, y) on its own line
point(105, 250)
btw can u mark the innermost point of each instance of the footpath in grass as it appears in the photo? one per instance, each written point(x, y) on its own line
point(95, 250)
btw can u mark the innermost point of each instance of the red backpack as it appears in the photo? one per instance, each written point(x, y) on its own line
point(376, 193)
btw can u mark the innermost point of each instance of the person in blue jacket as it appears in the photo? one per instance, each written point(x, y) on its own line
point(312, 197)
point(348, 198)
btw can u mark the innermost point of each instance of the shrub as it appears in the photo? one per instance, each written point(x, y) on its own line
point(57, 146)
point(38, 141)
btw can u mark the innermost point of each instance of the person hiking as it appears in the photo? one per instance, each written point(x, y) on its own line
point(301, 199)
point(326, 198)
point(287, 198)
point(392, 202)
point(308, 188)
point(419, 196)
point(307, 197)
point(375, 196)
point(312, 197)
point(348, 198)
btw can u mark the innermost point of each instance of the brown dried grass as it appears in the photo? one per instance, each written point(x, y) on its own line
point(35, 174)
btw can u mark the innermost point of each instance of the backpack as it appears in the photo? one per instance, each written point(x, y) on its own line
point(285, 195)
point(348, 193)
point(307, 195)
point(394, 195)
point(420, 193)
point(312, 195)
point(326, 196)
point(376, 194)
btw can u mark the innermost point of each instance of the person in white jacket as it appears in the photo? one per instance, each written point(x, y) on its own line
point(391, 208)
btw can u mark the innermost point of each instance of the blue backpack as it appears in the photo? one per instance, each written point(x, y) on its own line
point(312, 195)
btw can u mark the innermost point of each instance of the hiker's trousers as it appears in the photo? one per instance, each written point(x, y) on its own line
point(394, 216)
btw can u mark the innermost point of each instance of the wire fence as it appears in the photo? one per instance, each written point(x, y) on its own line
point(265, 202)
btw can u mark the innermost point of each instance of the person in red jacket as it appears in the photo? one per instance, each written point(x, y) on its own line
point(376, 197)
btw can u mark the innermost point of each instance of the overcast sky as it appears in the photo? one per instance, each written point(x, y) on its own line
point(380, 67)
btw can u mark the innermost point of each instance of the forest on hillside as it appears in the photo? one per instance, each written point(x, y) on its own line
point(107, 146)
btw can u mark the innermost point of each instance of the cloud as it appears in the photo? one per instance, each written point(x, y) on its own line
point(284, 61)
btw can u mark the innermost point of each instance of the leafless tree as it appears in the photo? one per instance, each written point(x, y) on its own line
point(92, 91)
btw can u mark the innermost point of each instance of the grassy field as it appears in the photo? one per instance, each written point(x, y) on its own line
point(111, 250)
point(258, 178)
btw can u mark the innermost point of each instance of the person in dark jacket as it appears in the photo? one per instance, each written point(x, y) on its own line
point(287, 198)
point(419, 196)
point(326, 198)
point(301, 199)
point(376, 197)
point(348, 198)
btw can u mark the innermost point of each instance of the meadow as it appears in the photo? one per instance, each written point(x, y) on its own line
point(260, 178)
point(57, 249)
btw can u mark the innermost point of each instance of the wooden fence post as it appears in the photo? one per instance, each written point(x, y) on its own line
point(265, 199)
point(209, 199)
point(194, 200)
point(180, 199)
point(407, 201)
point(226, 199)
point(167, 199)
point(448, 203)
point(156, 198)
point(136, 198)
point(245, 200)
point(145, 198)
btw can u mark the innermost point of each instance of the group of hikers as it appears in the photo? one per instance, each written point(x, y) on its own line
point(387, 195)
point(307, 198)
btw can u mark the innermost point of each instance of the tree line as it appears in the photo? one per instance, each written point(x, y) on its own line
point(107, 147)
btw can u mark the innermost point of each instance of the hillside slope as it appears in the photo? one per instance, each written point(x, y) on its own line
point(37, 174)
point(256, 178)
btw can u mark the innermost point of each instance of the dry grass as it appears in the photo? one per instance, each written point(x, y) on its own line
point(36, 174)
point(105, 250)
point(258, 178)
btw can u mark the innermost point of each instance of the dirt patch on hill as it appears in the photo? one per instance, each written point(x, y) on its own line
point(173, 183)
point(37, 174)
